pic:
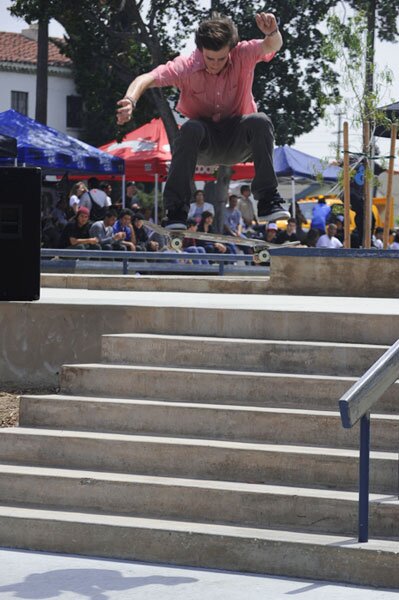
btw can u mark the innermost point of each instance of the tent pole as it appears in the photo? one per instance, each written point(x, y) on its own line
point(156, 199)
point(123, 190)
point(293, 196)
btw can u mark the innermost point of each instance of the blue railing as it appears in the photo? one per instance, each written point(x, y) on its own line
point(355, 405)
point(178, 261)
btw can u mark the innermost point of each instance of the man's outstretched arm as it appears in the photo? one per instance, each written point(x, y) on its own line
point(267, 23)
point(135, 90)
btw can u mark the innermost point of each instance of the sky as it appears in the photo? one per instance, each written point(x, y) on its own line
point(317, 143)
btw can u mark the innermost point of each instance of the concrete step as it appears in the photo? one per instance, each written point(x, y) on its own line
point(214, 386)
point(241, 423)
point(206, 501)
point(197, 458)
point(322, 358)
point(276, 552)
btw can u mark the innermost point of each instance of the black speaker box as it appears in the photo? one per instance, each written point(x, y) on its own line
point(20, 216)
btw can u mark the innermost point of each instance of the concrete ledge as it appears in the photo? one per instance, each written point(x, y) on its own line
point(159, 283)
point(328, 272)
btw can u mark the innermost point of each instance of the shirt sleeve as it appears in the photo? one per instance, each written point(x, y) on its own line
point(171, 73)
point(252, 52)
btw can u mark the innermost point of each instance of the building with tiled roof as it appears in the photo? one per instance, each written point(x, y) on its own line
point(18, 60)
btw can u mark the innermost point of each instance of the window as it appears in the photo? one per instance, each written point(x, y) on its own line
point(19, 102)
point(74, 112)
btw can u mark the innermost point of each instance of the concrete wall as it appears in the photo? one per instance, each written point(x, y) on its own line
point(36, 339)
point(327, 272)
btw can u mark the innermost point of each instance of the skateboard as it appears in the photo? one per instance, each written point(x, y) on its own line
point(175, 237)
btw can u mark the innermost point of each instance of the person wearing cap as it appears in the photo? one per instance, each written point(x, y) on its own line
point(271, 233)
point(76, 233)
point(320, 214)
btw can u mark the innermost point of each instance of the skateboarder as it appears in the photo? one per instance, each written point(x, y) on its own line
point(223, 125)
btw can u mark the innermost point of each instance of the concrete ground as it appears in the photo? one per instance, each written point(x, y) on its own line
point(378, 306)
point(47, 576)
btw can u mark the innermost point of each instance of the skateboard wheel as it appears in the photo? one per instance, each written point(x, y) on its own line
point(264, 256)
point(176, 244)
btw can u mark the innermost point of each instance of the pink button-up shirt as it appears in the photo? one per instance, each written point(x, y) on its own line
point(215, 97)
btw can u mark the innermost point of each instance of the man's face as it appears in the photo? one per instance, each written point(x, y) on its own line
point(233, 201)
point(270, 234)
point(216, 60)
point(131, 191)
point(126, 220)
point(291, 228)
point(199, 198)
point(138, 223)
point(110, 221)
point(82, 219)
point(332, 230)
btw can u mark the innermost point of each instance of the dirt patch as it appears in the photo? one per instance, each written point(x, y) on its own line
point(9, 404)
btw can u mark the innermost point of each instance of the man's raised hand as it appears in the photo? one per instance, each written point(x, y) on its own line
point(266, 22)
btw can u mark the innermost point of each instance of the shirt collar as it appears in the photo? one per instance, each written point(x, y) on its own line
point(199, 63)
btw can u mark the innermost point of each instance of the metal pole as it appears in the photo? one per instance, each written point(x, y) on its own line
point(293, 196)
point(123, 191)
point(156, 200)
point(388, 201)
point(364, 475)
point(367, 195)
point(347, 193)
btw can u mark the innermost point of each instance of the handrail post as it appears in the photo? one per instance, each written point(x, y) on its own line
point(364, 477)
point(221, 268)
point(125, 266)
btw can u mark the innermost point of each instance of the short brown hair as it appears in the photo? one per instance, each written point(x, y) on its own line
point(216, 33)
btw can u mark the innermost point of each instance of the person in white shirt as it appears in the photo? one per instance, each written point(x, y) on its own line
point(199, 206)
point(78, 189)
point(395, 243)
point(328, 240)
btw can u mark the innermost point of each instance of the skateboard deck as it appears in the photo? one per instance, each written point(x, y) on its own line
point(174, 240)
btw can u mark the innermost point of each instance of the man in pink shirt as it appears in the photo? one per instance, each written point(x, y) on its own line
point(223, 126)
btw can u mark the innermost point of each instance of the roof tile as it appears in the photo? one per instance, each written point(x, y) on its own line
point(15, 47)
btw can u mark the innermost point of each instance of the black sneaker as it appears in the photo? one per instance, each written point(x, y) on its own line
point(271, 210)
point(175, 219)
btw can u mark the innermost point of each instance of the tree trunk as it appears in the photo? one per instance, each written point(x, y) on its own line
point(42, 73)
point(221, 196)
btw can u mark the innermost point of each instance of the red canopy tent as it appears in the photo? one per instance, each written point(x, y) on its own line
point(146, 151)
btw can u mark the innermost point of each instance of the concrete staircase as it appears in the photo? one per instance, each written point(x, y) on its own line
point(206, 451)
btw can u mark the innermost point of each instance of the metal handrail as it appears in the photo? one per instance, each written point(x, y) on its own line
point(355, 405)
point(127, 257)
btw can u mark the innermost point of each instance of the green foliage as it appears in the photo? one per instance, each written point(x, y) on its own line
point(347, 45)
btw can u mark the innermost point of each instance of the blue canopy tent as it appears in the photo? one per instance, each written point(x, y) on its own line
point(291, 162)
point(53, 151)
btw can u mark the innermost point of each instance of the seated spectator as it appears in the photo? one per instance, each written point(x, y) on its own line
point(95, 199)
point(271, 231)
point(77, 190)
point(339, 222)
point(191, 245)
point(103, 231)
point(124, 225)
point(329, 239)
point(311, 238)
point(199, 206)
point(206, 225)
point(395, 243)
point(247, 207)
point(76, 233)
point(320, 215)
point(377, 240)
point(143, 243)
point(289, 235)
point(59, 215)
point(233, 223)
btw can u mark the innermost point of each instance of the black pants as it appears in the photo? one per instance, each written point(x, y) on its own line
point(234, 140)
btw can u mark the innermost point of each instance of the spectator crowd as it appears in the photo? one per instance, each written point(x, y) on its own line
point(90, 220)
